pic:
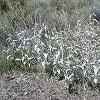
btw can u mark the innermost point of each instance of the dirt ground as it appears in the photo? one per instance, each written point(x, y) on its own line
point(29, 86)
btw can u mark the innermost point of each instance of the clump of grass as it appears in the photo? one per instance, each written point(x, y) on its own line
point(42, 46)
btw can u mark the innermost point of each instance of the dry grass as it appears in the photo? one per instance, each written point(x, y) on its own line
point(29, 86)
point(52, 26)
